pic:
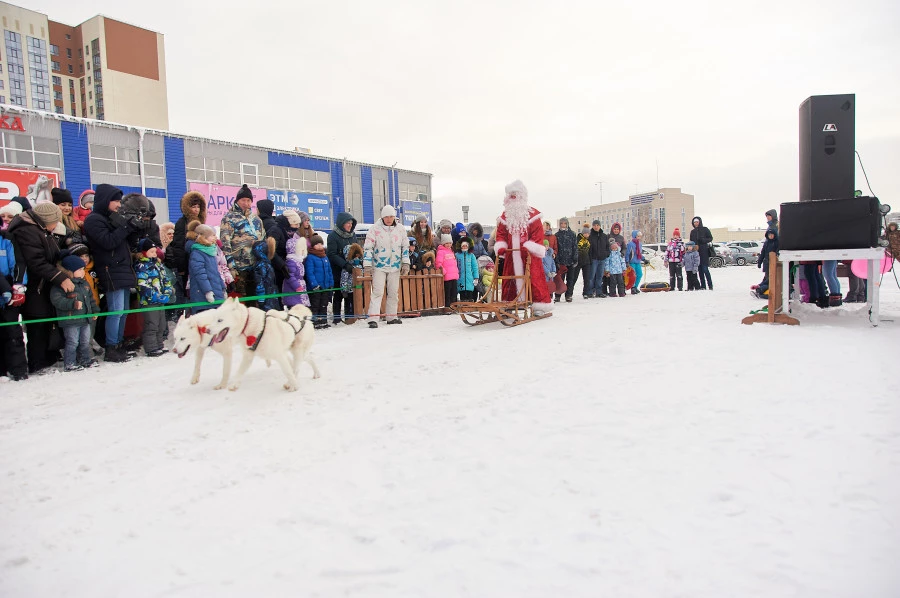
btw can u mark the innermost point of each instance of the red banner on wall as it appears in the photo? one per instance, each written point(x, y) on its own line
point(15, 181)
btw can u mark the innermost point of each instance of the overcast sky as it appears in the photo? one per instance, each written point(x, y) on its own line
point(560, 94)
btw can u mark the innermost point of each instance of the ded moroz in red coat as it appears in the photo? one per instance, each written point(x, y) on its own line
point(530, 239)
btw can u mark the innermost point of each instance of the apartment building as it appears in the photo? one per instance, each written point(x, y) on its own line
point(102, 69)
point(656, 214)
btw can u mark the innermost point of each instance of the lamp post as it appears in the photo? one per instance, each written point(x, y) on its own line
point(600, 183)
point(465, 210)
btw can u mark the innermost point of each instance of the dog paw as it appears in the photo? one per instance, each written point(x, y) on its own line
point(290, 388)
point(195, 380)
point(234, 387)
point(219, 387)
point(316, 375)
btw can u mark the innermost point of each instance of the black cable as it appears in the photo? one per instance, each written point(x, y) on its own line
point(858, 157)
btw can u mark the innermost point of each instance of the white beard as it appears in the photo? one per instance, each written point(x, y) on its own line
point(516, 215)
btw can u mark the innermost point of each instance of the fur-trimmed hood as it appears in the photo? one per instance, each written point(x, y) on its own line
point(428, 255)
point(186, 204)
point(354, 251)
point(264, 249)
point(296, 247)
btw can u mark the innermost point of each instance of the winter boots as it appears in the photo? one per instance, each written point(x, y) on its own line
point(835, 300)
point(116, 354)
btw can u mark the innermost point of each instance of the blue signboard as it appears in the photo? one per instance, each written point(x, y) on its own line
point(316, 205)
point(412, 209)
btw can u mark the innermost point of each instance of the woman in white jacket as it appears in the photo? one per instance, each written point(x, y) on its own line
point(385, 259)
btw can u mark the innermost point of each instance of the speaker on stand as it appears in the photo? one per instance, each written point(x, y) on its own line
point(827, 145)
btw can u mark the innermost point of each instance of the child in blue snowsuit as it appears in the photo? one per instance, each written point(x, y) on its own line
point(616, 267)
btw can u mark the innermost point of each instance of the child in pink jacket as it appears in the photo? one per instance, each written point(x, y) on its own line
point(446, 263)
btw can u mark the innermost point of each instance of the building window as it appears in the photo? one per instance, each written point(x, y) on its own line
point(68, 36)
point(57, 95)
point(54, 50)
point(59, 109)
point(2, 99)
point(411, 192)
point(16, 68)
point(57, 80)
point(89, 80)
point(28, 150)
point(90, 95)
point(72, 97)
point(250, 174)
point(73, 112)
point(109, 159)
point(69, 53)
point(71, 70)
point(55, 66)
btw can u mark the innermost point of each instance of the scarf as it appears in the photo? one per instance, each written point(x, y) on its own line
point(317, 251)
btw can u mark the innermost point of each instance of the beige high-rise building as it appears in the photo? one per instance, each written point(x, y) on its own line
point(102, 68)
point(656, 214)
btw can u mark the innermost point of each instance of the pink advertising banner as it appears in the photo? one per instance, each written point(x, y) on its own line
point(220, 199)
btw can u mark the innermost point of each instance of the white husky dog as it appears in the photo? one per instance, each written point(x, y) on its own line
point(192, 333)
point(284, 337)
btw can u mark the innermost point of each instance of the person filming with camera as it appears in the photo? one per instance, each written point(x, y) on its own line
point(109, 229)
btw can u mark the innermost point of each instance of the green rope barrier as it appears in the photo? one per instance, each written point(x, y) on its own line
point(168, 307)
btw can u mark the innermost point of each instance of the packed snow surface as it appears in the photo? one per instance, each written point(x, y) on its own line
point(646, 446)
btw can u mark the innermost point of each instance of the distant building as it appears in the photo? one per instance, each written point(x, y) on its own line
point(727, 235)
point(656, 214)
point(101, 69)
point(79, 154)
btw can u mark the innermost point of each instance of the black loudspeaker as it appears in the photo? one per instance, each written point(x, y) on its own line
point(827, 143)
point(830, 224)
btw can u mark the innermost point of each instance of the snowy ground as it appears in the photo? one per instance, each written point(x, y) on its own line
point(648, 446)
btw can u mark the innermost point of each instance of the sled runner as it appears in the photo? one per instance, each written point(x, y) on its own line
point(490, 308)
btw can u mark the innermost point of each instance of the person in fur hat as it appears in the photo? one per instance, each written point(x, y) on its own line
point(295, 282)
point(206, 283)
point(519, 230)
point(319, 278)
point(264, 274)
point(193, 207)
point(154, 289)
point(78, 301)
point(422, 233)
point(354, 255)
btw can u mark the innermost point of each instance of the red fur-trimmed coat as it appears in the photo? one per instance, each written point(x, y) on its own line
point(530, 240)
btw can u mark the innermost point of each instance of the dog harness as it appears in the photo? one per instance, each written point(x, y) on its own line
point(254, 340)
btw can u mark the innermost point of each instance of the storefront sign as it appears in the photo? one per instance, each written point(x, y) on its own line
point(316, 205)
point(220, 199)
point(14, 182)
point(11, 123)
point(413, 209)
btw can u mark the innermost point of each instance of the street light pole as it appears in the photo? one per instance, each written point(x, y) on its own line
point(601, 190)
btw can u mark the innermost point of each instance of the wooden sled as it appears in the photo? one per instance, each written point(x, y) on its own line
point(490, 308)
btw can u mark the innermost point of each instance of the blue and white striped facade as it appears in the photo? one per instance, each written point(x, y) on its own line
point(163, 165)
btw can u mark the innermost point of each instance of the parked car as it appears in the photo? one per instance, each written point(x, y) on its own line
point(741, 256)
point(751, 245)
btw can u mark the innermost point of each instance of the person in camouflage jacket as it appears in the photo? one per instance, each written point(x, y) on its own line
point(239, 230)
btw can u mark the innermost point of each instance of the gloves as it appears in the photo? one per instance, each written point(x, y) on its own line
point(404, 269)
point(18, 295)
point(118, 221)
point(369, 271)
point(210, 298)
point(134, 223)
point(5, 298)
